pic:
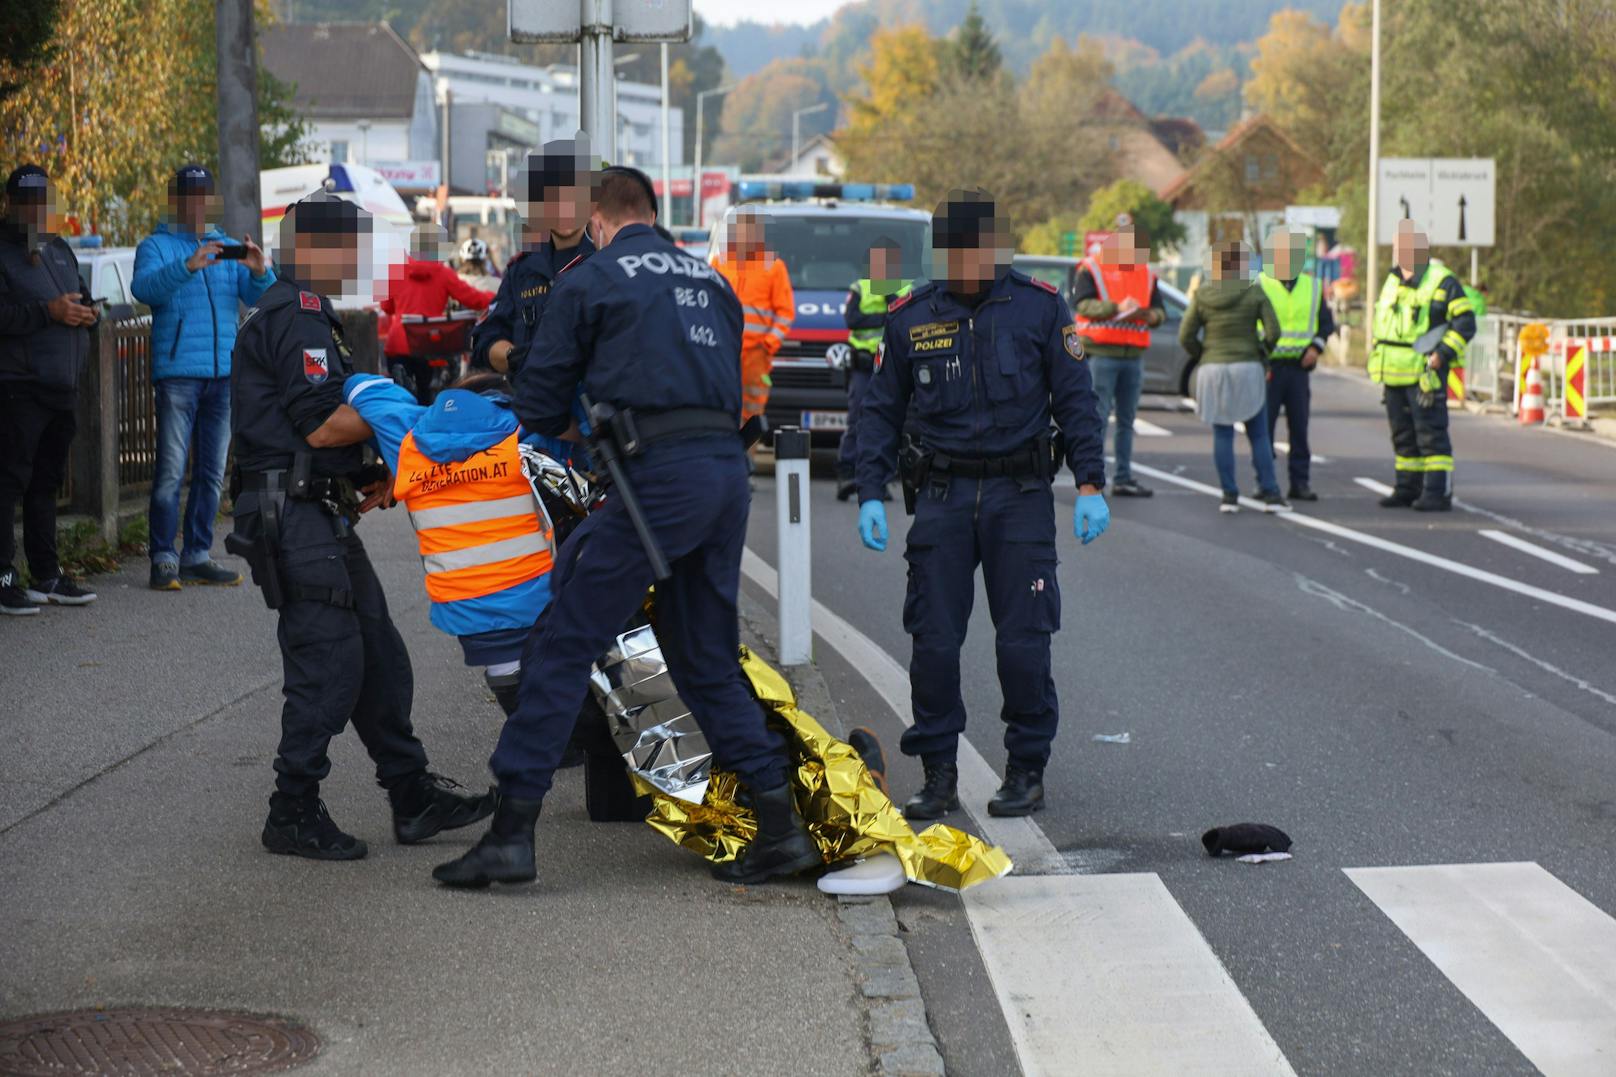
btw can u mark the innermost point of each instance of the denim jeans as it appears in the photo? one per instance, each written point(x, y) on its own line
point(1262, 454)
point(187, 407)
point(1118, 382)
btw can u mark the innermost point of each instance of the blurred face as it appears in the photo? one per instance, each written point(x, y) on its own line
point(1289, 253)
point(328, 262)
point(194, 212)
point(429, 241)
point(747, 236)
point(565, 209)
point(1123, 249)
point(31, 210)
point(1411, 251)
point(968, 270)
point(884, 264)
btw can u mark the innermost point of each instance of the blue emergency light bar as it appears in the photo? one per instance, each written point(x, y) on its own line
point(777, 190)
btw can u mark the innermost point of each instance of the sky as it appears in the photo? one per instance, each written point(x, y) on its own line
point(726, 12)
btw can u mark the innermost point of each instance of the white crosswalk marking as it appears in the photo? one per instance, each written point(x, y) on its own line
point(1537, 958)
point(1373, 485)
point(1106, 974)
point(1506, 539)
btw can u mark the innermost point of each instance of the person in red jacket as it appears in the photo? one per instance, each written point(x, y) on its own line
point(423, 284)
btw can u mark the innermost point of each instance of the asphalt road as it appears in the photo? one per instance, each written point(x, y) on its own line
point(1331, 680)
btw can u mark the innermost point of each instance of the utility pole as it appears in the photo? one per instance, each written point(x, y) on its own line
point(796, 127)
point(667, 145)
point(1372, 252)
point(701, 101)
point(597, 86)
point(238, 118)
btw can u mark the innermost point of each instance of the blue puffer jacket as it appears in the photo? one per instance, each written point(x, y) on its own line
point(194, 315)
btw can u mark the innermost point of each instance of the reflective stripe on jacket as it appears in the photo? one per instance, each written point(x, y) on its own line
point(478, 527)
point(1298, 311)
point(1116, 283)
point(768, 306)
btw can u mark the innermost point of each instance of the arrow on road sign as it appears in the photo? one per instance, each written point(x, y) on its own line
point(1408, 214)
point(1461, 218)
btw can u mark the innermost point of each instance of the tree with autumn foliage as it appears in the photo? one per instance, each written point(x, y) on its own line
point(126, 93)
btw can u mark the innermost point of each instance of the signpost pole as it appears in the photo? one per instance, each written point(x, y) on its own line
point(597, 88)
point(667, 142)
point(1475, 261)
point(1372, 246)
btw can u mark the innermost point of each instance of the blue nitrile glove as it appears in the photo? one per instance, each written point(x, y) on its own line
point(1091, 517)
point(873, 525)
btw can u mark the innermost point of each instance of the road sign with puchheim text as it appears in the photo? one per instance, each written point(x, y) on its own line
point(1449, 198)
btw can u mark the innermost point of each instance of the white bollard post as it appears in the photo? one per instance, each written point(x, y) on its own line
point(795, 557)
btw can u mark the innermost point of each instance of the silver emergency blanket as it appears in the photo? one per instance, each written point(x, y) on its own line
point(648, 721)
point(654, 730)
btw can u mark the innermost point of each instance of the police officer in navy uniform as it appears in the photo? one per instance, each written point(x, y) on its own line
point(979, 360)
point(556, 207)
point(300, 474)
point(654, 334)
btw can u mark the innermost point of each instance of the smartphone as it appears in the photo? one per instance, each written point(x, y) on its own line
point(233, 252)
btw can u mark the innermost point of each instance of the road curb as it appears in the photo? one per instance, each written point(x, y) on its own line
point(897, 1028)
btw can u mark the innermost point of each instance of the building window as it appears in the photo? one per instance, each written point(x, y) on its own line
point(339, 151)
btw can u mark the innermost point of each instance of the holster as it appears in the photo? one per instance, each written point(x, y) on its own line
point(862, 361)
point(914, 469)
point(262, 553)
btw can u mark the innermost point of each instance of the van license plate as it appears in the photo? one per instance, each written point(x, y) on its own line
point(824, 420)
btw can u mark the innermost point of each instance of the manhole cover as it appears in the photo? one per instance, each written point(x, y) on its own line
point(130, 1043)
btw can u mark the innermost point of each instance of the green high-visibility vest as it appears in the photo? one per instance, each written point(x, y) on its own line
point(1298, 311)
point(873, 302)
point(1402, 316)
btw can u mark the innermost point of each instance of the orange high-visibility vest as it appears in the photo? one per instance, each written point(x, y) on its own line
point(1116, 283)
point(478, 526)
point(767, 303)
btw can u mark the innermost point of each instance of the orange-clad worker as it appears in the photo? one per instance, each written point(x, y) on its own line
point(761, 283)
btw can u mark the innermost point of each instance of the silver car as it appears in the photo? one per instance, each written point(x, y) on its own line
point(1168, 370)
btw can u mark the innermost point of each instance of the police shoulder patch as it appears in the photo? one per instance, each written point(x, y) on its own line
point(899, 303)
point(570, 264)
point(1045, 285)
point(308, 300)
point(1073, 342)
point(316, 367)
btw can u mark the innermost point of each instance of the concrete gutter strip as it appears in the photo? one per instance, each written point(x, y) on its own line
point(898, 1031)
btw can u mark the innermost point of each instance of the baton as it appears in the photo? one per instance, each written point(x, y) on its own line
point(604, 442)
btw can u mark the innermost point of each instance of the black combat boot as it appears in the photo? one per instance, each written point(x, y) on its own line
point(425, 803)
point(1021, 794)
point(1437, 495)
point(939, 796)
point(300, 826)
point(782, 845)
point(503, 855)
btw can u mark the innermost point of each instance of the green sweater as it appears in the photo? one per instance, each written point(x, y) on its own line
point(1238, 321)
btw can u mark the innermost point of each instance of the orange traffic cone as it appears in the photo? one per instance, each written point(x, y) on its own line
point(1531, 410)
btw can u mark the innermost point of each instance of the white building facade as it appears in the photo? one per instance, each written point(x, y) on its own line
point(541, 99)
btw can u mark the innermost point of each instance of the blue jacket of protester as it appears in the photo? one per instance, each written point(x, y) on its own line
point(194, 315)
point(458, 426)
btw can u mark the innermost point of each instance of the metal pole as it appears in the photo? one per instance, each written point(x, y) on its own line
point(667, 146)
point(238, 118)
point(1475, 265)
point(1372, 254)
point(445, 152)
point(793, 526)
point(597, 85)
point(796, 128)
point(701, 111)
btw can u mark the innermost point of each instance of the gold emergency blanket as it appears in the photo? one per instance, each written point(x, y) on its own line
point(846, 812)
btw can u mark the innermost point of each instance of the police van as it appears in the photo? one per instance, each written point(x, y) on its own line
point(823, 232)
